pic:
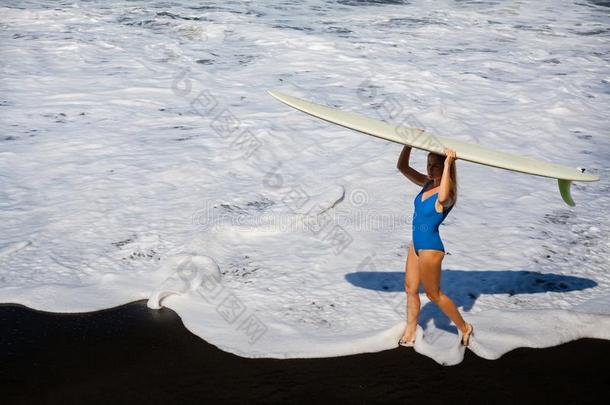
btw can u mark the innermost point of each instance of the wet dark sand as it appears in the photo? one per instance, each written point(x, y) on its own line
point(136, 355)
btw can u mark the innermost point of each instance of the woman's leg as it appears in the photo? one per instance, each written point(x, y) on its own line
point(412, 291)
point(430, 274)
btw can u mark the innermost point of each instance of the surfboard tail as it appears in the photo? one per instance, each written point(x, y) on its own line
point(564, 190)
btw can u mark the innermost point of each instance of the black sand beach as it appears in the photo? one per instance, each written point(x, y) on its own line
point(131, 354)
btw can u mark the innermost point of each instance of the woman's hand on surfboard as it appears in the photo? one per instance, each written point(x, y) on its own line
point(450, 155)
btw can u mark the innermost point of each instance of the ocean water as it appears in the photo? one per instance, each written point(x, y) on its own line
point(141, 158)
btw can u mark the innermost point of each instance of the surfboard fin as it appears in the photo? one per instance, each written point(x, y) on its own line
point(564, 189)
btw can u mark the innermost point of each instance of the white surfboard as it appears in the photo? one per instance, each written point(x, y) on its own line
point(432, 143)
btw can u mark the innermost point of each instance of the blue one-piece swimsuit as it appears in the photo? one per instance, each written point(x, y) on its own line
point(426, 222)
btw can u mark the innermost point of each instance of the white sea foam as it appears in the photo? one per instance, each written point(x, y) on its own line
point(141, 158)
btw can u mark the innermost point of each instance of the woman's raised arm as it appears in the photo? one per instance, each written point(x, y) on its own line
point(445, 193)
point(403, 165)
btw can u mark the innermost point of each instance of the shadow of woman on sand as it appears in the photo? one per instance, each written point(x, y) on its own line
point(465, 286)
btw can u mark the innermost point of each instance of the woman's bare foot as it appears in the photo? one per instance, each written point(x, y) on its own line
point(407, 339)
point(466, 335)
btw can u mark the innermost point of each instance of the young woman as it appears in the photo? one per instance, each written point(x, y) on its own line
point(426, 252)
